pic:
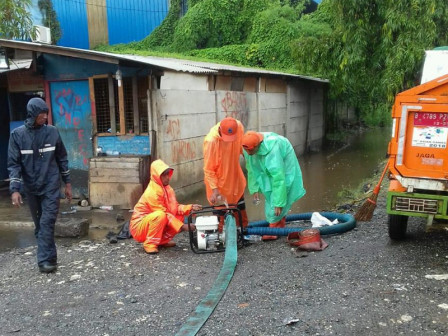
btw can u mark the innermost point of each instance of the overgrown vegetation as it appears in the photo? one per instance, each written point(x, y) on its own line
point(368, 49)
point(372, 50)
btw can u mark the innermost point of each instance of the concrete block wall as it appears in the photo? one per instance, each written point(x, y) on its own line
point(239, 105)
point(306, 127)
point(298, 112)
point(317, 120)
point(272, 112)
point(184, 116)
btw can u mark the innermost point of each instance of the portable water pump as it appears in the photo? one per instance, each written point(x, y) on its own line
point(208, 238)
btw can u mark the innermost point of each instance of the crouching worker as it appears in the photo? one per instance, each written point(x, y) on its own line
point(157, 216)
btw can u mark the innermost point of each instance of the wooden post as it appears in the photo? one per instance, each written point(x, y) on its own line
point(135, 105)
point(121, 107)
point(93, 114)
point(113, 125)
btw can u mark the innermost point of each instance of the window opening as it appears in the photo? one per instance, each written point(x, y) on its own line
point(103, 100)
point(143, 87)
point(101, 90)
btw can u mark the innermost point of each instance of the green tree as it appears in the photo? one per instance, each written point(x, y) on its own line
point(15, 19)
point(50, 19)
point(371, 50)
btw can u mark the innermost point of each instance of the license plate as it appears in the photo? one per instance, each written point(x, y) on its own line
point(431, 119)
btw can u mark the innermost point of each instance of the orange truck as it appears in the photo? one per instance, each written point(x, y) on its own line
point(418, 156)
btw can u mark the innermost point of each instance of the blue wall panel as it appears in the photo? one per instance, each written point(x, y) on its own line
point(72, 16)
point(133, 20)
point(72, 115)
point(129, 144)
point(62, 67)
point(128, 20)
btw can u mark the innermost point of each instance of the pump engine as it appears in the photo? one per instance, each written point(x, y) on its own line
point(207, 235)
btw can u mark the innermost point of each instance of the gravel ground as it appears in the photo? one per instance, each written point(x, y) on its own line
point(362, 284)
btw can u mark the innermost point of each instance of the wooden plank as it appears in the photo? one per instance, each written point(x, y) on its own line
point(114, 172)
point(116, 194)
point(97, 22)
point(144, 171)
point(92, 104)
point(250, 84)
point(117, 165)
point(135, 105)
point(117, 159)
point(211, 82)
point(262, 84)
point(121, 108)
point(113, 125)
point(115, 179)
point(275, 85)
point(223, 83)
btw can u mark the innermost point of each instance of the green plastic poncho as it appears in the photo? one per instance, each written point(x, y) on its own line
point(275, 172)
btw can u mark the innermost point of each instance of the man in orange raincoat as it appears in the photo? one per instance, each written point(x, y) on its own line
point(157, 216)
point(223, 177)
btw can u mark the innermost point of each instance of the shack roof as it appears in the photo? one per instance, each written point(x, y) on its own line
point(18, 64)
point(163, 63)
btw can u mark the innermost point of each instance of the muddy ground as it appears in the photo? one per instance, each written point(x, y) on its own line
point(362, 284)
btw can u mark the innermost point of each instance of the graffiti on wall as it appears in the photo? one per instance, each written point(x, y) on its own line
point(234, 104)
point(173, 128)
point(72, 116)
point(182, 150)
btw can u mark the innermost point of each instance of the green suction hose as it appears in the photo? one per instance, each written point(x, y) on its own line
point(209, 303)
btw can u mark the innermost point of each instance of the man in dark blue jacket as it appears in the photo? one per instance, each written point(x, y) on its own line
point(37, 158)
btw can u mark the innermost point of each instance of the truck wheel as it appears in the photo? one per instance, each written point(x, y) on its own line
point(397, 226)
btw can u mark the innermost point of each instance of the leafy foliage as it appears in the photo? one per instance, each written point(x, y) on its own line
point(162, 36)
point(369, 49)
point(50, 19)
point(261, 29)
point(15, 19)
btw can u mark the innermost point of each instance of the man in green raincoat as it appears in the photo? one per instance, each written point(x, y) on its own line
point(273, 170)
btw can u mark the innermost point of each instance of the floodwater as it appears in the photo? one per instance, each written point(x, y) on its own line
point(328, 172)
point(325, 174)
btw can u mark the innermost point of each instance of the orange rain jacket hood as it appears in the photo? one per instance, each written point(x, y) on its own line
point(156, 197)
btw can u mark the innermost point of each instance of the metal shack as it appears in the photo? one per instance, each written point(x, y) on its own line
point(115, 112)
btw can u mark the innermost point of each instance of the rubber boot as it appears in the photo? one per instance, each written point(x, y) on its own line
point(280, 224)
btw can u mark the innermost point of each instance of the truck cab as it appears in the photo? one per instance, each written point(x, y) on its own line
point(418, 153)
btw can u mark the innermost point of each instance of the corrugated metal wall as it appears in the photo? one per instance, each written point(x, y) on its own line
point(86, 23)
point(133, 20)
point(72, 16)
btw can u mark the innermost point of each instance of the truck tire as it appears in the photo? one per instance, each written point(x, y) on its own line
point(397, 226)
